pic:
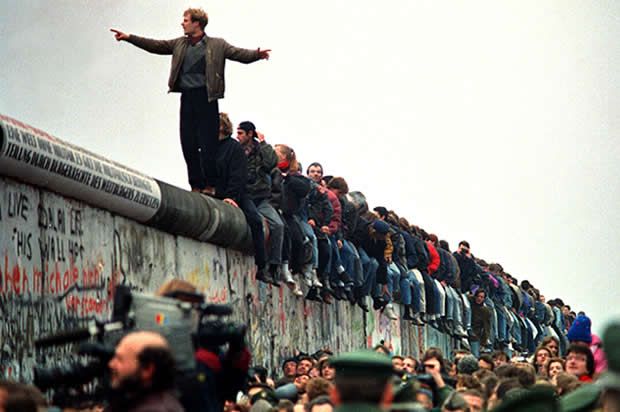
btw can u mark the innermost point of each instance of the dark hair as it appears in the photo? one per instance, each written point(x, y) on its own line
point(20, 402)
point(464, 243)
point(488, 359)
point(480, 290)
point(554, 360)
point(583, 350)
point(340, 184)
point(506, 385)
point(315, 164)
point(320, 400)
point(285, 404)
point(436, 353)
point(382, 211)
point(444, 245)
point(500, 354)
point(525, 376)
point(398, 357)
point(165, 369)
point(538, 349)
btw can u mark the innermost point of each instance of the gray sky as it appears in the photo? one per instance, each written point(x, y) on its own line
point(495, 122)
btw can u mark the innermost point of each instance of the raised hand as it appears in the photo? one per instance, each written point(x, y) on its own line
point(119, 35)
point(264, 54)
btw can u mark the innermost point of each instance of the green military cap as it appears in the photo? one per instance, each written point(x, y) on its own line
point(362, 363)
point(584, 398)
point(538, 398)
point(611, 345)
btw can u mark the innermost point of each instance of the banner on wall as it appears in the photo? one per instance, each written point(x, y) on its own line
point(33, 156)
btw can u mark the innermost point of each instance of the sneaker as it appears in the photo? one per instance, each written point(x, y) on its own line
point(315, 279)
point(288, 278)
point(308, 279)
point(297, 291)
point(389, 312)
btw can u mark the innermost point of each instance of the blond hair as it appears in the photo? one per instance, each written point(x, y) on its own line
point(198, 15)
point(289, 154)
point(226, 127)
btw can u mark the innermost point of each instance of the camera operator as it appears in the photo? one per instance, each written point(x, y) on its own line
point(220, 374)
point(142, 375)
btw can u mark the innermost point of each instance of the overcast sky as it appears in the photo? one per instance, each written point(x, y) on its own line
point(495, 122)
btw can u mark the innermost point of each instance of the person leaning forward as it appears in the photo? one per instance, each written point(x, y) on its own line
point(197, 72)
point(362, 382)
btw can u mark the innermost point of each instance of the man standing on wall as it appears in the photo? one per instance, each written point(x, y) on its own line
point(197, 72)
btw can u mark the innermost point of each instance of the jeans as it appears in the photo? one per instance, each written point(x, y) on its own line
point(405, 288)
point(200, 126)
point(467, 311)
point(255, 221)
point(309, 232)
point(348, 255)
point(370, 266)
point(475, 348)
point(441, 295)
point(419, 294)
point(393, 276)
point(493, 332)
point(276, 230)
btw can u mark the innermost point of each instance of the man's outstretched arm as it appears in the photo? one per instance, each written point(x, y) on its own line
point(150, 45)
point(245, 55)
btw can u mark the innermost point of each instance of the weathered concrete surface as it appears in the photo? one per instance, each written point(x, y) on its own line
point(61, 259)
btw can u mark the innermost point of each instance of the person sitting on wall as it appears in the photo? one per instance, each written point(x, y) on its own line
point(232, 175)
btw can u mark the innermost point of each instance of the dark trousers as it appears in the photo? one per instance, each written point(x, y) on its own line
point(200, 126)
point(255, 221)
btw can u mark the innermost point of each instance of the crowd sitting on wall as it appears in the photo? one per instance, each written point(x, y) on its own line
point(312, 229)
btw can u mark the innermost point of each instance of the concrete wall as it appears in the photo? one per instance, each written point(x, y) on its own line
point(60, 260)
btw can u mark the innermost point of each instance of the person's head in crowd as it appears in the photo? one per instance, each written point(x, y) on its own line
point(226, 127)
point(284, 405)
point(246, 132)
point(459, 354)
point(398, 363)
point(300, 382)
point(255, 387)
point(381, 349)
point(554, 366)
point(468, 365)
point(479, 296)
point(525, 374)
point(258, 374)
point(488, 380)
point(358, 199)
point(20, 397)
point(580, 331)
point(541, 356)
point(410, 365)
point(425, 396)
point(580, 362)
point(381, 212)
point(196, 15)
point(444, 245)
point(464, 248)
point(315, 172)
point(455, 403)
point(500, 358)
point(287, 159)
point(566, 383)
point(327, 370)
point(289, 367)
point(320, 404)
point(551, 343)
point(501, 389)
point(304, 364)
point(450, 368)
point(316, 387)
point(363, 377)
point(486, 362)
point(315, 372)
point(142, 359)
point(338, 186)
point(433, 353)
point(466, 381)
point(565, 309)
point(475, 399)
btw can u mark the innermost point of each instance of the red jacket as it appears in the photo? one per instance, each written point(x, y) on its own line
point(434, 260)
point(336, 221)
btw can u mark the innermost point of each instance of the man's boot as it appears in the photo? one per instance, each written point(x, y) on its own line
point(264, 276)
point(407, 313)
point(313, 294)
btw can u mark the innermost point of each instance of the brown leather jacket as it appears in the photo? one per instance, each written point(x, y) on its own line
point(218, 50)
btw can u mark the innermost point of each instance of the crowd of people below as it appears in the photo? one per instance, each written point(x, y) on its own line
point(311, 229)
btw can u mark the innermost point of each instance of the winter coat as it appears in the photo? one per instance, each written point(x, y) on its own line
point(232, 170)
point(435, 260)
point(480, 321)
point(262, 159)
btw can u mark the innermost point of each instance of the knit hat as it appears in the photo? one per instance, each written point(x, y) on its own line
point(381, 227)
point(580, 330)
point(468, 364)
